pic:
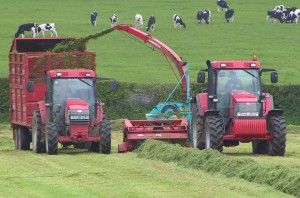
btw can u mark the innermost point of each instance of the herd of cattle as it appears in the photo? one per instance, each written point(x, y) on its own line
point(279, 13)
point(282, 14)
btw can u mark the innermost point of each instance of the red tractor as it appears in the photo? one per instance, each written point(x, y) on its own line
point(53, 98)
point(234, 109)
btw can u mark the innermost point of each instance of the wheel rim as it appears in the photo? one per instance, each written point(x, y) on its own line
point(195, 130)
point(207, 137)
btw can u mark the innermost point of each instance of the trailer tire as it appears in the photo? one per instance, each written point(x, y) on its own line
point(213, 132)
point(259, 147)
point(22, 138)
point(277, 127)
point(105, 134)
point(197, 129)
point(37, 129)
point(51, 139)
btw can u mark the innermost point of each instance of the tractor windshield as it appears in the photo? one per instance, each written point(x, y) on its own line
point(72, 88)
point(235, 79)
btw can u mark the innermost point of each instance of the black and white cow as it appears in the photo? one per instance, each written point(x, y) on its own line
point(139, 21)
point(204, 16)
point(26, 28)
point(293, 16)
point(94, 16)
point(114, 20)
point(275, 16)
point(178, 21)
point(229, 15)
point(151, 23)
point(46, 28)
point(222, 5)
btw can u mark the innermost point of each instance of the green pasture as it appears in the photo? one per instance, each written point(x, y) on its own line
point(128, 59)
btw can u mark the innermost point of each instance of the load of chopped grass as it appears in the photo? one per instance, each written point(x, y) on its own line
point(279, 177)
point(74, 45)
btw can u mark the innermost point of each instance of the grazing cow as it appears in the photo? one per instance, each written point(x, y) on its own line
point(293, 16)
point(204, 16)
point(151, 23)
point(94, 16)
point(46, 28)
point(139, 21)
point(178, 21)
point(114, 20)
point(222, 5)
point(26, 28)
point(229, 15)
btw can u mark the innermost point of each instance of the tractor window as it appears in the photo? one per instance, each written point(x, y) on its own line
point(73, 88)
point(235, 79)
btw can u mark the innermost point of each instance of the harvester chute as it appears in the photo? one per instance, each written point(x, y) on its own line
point(161, 123)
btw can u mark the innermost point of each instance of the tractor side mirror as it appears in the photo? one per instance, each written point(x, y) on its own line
point(114, 86)
point(274, 77)
point(30, 86)
point(201, 77)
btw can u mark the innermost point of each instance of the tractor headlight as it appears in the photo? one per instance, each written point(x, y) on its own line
point(246, 109)
point(78, 116)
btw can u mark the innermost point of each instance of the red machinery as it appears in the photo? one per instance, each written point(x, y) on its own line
point(52, 98)
point(171, 129)
point(235, 109)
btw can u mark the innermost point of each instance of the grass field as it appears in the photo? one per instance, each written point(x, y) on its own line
point(125, 59)
point(78, 173)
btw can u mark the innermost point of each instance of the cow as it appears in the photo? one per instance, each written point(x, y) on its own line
point(94, 16)
point(26, 28)
point(222, 5)
point(229, 15)
point(46, 28)
point(178, 21)
point(151, 23)
point(279, 7)
point(203, 16)
point(139, 21)
point(114, 20)
point(293, 16)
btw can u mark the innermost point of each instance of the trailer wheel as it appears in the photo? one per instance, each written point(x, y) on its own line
point(213, 132)
point(51, 139)
point(277, 127)
point(105, 133)
point(197, 129)
point(37, 145)
point(22, 140)
point(260, 147)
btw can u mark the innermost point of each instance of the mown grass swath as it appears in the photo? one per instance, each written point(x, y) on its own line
point(279, 177)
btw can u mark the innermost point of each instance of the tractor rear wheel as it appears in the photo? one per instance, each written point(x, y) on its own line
point(260, 147)
point(51, 139)
point(277, 127)
point(197, 128)
point(213, 132)
point(37, 145)
point(105, 133)
point(22, 139)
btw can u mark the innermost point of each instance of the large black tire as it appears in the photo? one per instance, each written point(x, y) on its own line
point(213, 132)
point(260, 147)
point(105, 133)
point(51, 139)
point(37, 128)
point(197, 128)
point(277, 128)
point(22, 138)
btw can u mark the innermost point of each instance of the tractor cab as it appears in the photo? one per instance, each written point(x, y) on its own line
point(72, 97)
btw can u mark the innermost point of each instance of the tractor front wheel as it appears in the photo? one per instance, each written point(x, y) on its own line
point(197, 129)
point(213, 132)
point(260, 147)
point(105, 133)
point(277, 127)
point(51, 139)
point(37, 145)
